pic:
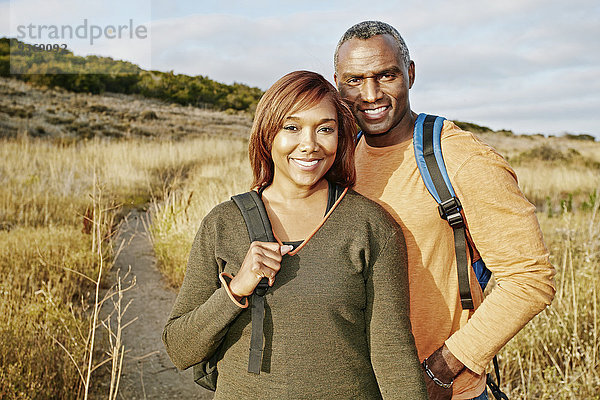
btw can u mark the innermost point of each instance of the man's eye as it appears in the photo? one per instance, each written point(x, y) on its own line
point(387, 77)
point(353, 81)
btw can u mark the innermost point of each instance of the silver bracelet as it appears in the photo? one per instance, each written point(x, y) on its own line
point(433, 377)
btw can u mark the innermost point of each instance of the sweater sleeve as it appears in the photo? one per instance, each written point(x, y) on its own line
point(393, 353)
point(506, 232)
point(202, 311)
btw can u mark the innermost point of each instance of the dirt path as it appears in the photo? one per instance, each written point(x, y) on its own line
point(147, 372)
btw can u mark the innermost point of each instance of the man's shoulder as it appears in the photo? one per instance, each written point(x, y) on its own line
point(460, 146)
point(455, 138)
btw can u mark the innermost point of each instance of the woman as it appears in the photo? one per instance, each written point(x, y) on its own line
point(336, 322)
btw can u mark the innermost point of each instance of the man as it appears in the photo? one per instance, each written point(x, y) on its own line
point(374, 73)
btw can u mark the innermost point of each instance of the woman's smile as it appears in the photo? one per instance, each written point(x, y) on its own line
point(307, 165)
point(305, 147)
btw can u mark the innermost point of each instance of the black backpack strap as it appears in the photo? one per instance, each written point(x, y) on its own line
point(449, 209)
point(333, 194)
point(259, 229)
point(255, 215)
point(495, 387)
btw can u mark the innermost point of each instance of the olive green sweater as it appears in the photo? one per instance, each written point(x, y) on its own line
point(336, 319)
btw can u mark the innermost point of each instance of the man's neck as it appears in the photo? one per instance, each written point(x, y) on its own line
point(400, 133)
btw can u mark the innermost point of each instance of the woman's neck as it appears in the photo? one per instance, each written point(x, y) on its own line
point(294, 212)
point(283, 192)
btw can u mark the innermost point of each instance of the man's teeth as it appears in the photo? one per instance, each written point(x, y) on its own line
point(306, 163)
point(375, 111)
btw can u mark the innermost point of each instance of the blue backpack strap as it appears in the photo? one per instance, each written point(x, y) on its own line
point(428, 153)
point(432, 169)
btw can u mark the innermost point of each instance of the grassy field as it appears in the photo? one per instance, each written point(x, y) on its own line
point(52, 199)
point(61, 198)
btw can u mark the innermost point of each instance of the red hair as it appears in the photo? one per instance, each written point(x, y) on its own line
point(297, 91)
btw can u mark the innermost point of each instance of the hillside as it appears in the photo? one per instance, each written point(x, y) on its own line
point(92, 74)
point(60, 114)
point(41, 111)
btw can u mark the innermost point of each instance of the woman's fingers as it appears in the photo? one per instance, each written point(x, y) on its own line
point(263, 260)
point(286, 248)
point(268, 260)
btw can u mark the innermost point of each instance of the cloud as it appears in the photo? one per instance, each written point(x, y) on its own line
point(236, 48)
point(528, 65)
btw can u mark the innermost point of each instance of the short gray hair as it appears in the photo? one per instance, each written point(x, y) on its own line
point(366, 30)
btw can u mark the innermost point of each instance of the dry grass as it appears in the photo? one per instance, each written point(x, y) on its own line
point(58, 204)
point(224, 171)
point(553, 170)
point(41, 302)
point(556, 356)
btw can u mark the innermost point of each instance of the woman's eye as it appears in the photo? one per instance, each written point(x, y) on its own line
point(327, 129)
point(290, 128)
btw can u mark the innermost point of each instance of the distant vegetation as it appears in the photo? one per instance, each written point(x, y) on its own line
point(580, 137)
point(471, 127)
point(96, 75)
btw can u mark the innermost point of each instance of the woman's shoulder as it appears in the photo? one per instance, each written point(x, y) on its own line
point(221, 210)
point(357, 200)
point(368, 211)
point(222, 214)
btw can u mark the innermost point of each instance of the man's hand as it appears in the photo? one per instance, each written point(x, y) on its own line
point(445, 367)
point(436, 392)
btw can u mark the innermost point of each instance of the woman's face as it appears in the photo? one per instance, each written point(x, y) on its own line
point(305, 147)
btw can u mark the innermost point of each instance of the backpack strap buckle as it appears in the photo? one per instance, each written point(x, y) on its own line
point(262, 287)
point(450, 211)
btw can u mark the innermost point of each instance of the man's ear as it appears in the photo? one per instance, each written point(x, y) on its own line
point(411, 74)
point(335, 79)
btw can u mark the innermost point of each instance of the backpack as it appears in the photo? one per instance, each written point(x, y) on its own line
point(259, 229)
point(428, 155)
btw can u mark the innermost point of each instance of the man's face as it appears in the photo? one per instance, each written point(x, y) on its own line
point(374, 81)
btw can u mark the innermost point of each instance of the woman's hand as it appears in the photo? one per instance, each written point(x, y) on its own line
point(262, 260)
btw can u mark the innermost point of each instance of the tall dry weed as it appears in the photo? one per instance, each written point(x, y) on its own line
point(556, 356)
point(224, 170)
point(58, 206)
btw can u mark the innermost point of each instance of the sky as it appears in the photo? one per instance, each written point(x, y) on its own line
point(531, 66)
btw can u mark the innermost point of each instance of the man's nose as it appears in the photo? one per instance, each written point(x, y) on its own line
point(370, 90)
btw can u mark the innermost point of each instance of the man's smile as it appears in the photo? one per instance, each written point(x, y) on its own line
point(375, 113)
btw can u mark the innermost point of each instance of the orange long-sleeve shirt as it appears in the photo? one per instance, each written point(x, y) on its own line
point(504, 228)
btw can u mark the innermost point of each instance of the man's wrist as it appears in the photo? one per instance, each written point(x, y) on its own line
point(443, 365)
point(435, 379)
point(453, 364)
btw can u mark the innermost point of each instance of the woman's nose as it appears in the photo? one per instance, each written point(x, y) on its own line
point(308, 141)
